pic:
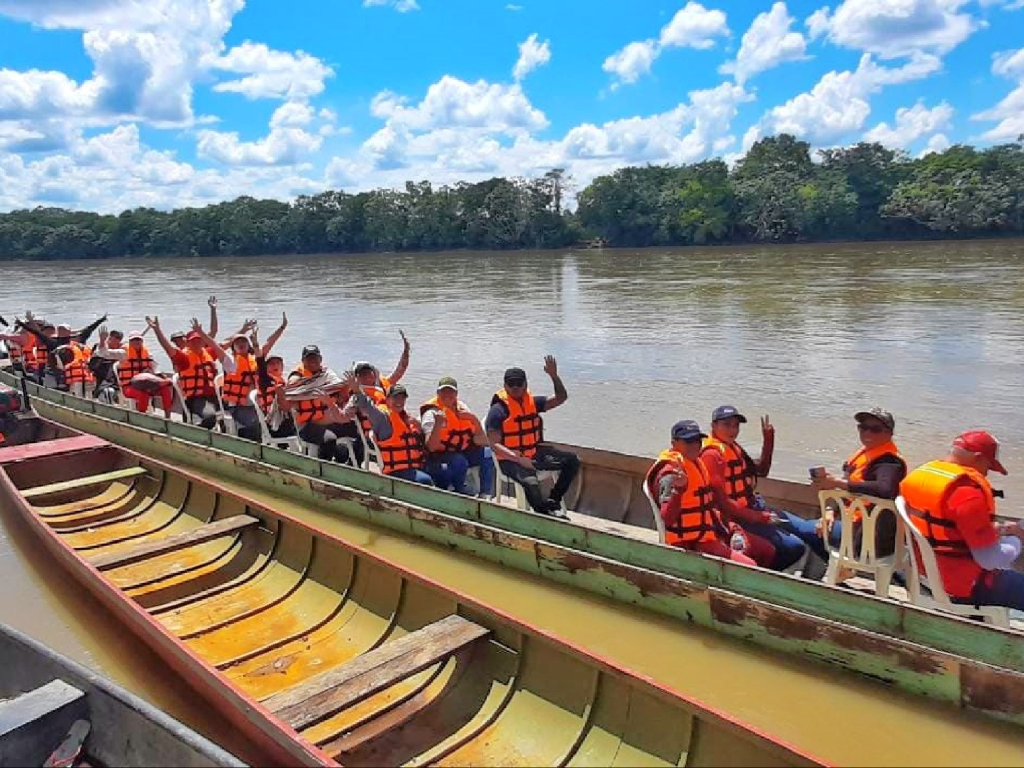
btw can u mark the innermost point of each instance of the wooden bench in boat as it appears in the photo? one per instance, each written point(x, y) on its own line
point(34, 723)
point(83, 482)
point(28, 451)
point(374, 672)
point(174, 542)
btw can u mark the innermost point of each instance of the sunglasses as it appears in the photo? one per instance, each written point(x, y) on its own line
point(515, 383)
point(873, 428)
point(691, 439)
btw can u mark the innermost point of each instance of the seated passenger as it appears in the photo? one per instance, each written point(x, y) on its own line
point(403, 453)
point(269, 379)
point(456, 441)
point(136, 371)
point(197, 368)
point(374, 385)
point(516, 431)
point(681, 486)
point(734, 478)
point(240, 382)
point(874, 469)
point(953, 505)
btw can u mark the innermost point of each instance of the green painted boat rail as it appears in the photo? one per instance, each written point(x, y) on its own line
point(824, 622)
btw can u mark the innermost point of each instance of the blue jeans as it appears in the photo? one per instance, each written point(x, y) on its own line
point(807, 531)
point(788, 547)
point(1000, 587)
point(449, 470)
point(415, 475)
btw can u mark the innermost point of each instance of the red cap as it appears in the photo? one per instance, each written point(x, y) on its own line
point(194, 336)
point(979, 441)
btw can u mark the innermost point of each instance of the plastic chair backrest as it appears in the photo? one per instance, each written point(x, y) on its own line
point(871, 509)
point(921, 551)
point(659, 523)
point(254, 400)
point(370, 449)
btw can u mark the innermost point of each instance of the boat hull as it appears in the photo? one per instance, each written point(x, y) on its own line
point(253, 613)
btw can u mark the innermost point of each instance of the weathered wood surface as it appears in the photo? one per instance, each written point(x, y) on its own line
point(173, 543)
point(81, 483)
point(15, 453)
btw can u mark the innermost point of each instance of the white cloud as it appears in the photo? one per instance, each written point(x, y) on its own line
point(452, 102)
point(838, 105)
point(1005, 63)
point(402, 6)
point(892, 28)
point(1008, 114)
point(693, 26)
point(513, 7)
point(937, 143)
point(768, 43)
point(912, 123)
point(282, 146)
point(632, 62)
point(295, 113)
point(270, 73)
point(532, 54)
point(35, 94)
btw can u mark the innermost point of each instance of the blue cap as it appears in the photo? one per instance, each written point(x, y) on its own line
point(686, 430)
point(728, 412)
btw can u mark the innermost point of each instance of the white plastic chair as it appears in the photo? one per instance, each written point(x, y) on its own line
point(932, 580)
point(227, 421)
point(659, 524)
point(291, 443)
point(501, 481)
point(846, 556)
point(370, 449)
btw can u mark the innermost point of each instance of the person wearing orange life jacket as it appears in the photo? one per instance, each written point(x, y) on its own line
point(516, 431)
point(376, 386)
point(681, 486)
point(734, 477)
point(951, 502)
point(456, 441)
point(403, 453)
point(196, 366)
point(238, 384)
point(137, 372)
point(328, 420)
point(75, 360)
point(874, 469)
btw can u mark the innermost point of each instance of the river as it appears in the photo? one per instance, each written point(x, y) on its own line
point(808, 334)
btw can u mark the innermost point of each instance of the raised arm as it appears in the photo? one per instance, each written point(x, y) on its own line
point(170, 349)
point(83, 335)
point(227, 363)
point(274, 337)
point(214, 327)
point(247, 326)
point(561, 395)
point(105, 352)
point(764, 461)
point(403, 361)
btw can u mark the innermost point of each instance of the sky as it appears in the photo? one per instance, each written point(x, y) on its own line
point(113, 104)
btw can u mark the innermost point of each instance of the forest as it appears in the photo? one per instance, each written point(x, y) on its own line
point(779, 192)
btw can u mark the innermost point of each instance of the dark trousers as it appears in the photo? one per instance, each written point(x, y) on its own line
point(788, 547)
point(203, 409)
point(246, 422)
point(326, 436)
point(547, 458)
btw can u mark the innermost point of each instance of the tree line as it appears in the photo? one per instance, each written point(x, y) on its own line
point(778, 192)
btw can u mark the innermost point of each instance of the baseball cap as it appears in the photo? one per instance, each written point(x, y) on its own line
point(447, 382)
point(63, 330)
point(686, 430)
point(194, 336)
point(877, 413)
point(132, 335)
point(398, 389)
point(362, 366)
point(177, 335)
point(728, 412)
point(310, 350)
point(515, 374)
point(980, 441)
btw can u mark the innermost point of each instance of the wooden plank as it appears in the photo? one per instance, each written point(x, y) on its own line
point(61, 445)
point(374, 672)
point(173, 543)
point(83, 482)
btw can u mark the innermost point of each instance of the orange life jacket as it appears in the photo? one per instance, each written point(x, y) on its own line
point(14, 350)
point(927, 490)
point(378, 396)
point(457, 435)
point(405, 448)
point(521, 429)
point(856, 467)
point(307, 410)
point(267, 397)
point(740, 470)
point(197, 379)
point(34, 355)
point(135, 362)
point(77, 371)
point(698, 520)
point(240, 382)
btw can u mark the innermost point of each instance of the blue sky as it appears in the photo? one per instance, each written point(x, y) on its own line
point(111, 104)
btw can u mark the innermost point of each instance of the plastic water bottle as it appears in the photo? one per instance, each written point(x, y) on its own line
point(737, 542)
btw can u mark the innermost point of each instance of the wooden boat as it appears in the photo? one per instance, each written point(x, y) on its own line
point(323, 653)
point(968, 664)
point(48, 702)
